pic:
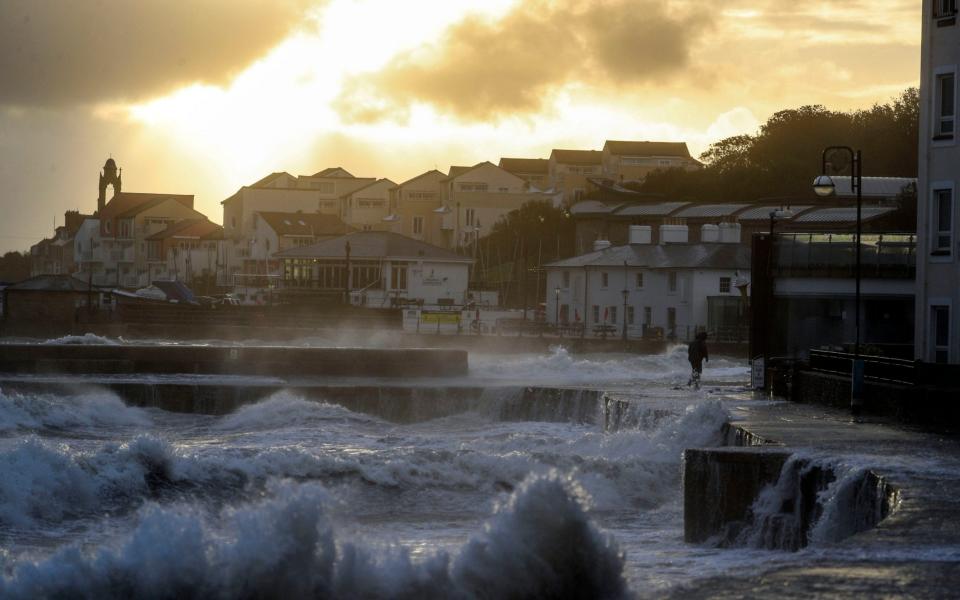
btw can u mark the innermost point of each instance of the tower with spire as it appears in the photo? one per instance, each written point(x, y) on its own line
point(109, 176)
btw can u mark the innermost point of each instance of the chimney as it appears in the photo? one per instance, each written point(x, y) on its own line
point(729, 233)
point(601, 245)
point(673, 234)
point(709, 233)
point(641, 234)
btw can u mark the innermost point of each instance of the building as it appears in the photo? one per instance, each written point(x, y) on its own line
point(415, 208)
point(535, 171)
point(281, 192)
point(191, 251)
point(126, 222)
point(47, 304)
point(366, 207)
point(670, 289)
point(475, 198)
point(937, 329)
point(58, 254)
point(570, 169)
point(633, 161)
point(378, 268)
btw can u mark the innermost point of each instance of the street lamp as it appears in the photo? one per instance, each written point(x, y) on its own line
point(824, 186)
point(556, 308)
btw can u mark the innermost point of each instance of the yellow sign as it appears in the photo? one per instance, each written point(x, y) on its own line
point(452, 318)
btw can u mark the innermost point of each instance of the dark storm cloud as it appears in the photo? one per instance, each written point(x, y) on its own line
point(61, 52)
point(483, 68)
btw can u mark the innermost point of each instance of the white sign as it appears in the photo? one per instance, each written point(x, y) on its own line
point(756, 373)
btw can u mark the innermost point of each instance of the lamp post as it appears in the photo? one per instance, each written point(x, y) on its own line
point(625, 293)
point(824, 186)
point(556, 309)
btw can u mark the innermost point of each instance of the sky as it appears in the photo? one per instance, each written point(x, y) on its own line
point(205, 96)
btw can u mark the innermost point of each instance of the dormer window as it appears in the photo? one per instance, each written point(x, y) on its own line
point(944, 8)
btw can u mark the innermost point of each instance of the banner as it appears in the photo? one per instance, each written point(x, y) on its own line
point(444, 317)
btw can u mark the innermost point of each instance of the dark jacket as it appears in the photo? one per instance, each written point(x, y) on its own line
point(697, 352)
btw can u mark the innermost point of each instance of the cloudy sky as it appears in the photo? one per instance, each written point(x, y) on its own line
point(204, 96)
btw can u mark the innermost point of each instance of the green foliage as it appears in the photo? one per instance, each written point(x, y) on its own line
point(784, 156)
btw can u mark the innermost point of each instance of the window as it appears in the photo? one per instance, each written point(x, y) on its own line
point(944, 8)
point(421, 195)
point(604, 279)
point(672, 282)
point(564, 313)
point(566, 279)
point(724, 285)
point(398, 277)
point(596, 313)
point(630, 315)
point(647, 315)
point(663, 163)
point(940, 325)
point(369, 203)
point(942, 222)
point(945, 105)
point(613, 314)
point(324, 187)
point(418, 226)
point(472, 186)
point(640, 280)
point(672, 321)
point(233, 222)
point(471, 215)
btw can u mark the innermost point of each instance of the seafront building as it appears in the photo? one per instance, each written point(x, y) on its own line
point(937, 337)
point(668, 290)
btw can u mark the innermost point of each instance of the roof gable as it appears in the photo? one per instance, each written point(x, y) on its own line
point(304, 224)
point(338, 172)
point(576, 157)
point(525, 165)
point(128, 204)
point(434, 172)
point(644, 148)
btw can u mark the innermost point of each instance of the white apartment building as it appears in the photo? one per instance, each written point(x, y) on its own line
point(673, 289)
point(937, 336)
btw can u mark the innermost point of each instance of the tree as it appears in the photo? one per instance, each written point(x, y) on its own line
point(14, 266)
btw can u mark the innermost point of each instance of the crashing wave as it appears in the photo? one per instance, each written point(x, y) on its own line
point(539, 543)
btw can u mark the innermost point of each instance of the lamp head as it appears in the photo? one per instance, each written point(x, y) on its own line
point(823, 186)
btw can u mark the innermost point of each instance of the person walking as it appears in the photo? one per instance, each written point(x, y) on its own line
point(696, 354)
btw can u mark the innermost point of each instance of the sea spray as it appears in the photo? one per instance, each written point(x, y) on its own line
point(95, 409)
point(539, 543)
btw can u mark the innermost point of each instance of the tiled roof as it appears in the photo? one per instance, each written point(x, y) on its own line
point(269, 178)
point(305, 224)
point(372, 183)
point(421, 175)
point(592, 207)
point(843, 214)
point(51, 283)
point(374, 244)
point(664, 256)
point(762, 213)
point(128, 204)
point(525, 165)
point(333, 172)
point(190, 228)
point(623, 148)
point(650, 210)
point(699, 211)
point(577, 157)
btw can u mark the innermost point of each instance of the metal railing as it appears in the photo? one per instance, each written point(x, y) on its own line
point(875, 368)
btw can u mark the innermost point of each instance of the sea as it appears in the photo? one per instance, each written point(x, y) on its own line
point(294, 497)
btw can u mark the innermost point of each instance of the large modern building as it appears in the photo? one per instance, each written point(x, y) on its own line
point(938, 269)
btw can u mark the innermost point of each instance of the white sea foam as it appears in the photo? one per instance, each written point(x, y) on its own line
point(539, 543)
point(560, 366)
point(286, 409)
point(19, 411)
point(85, 339)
